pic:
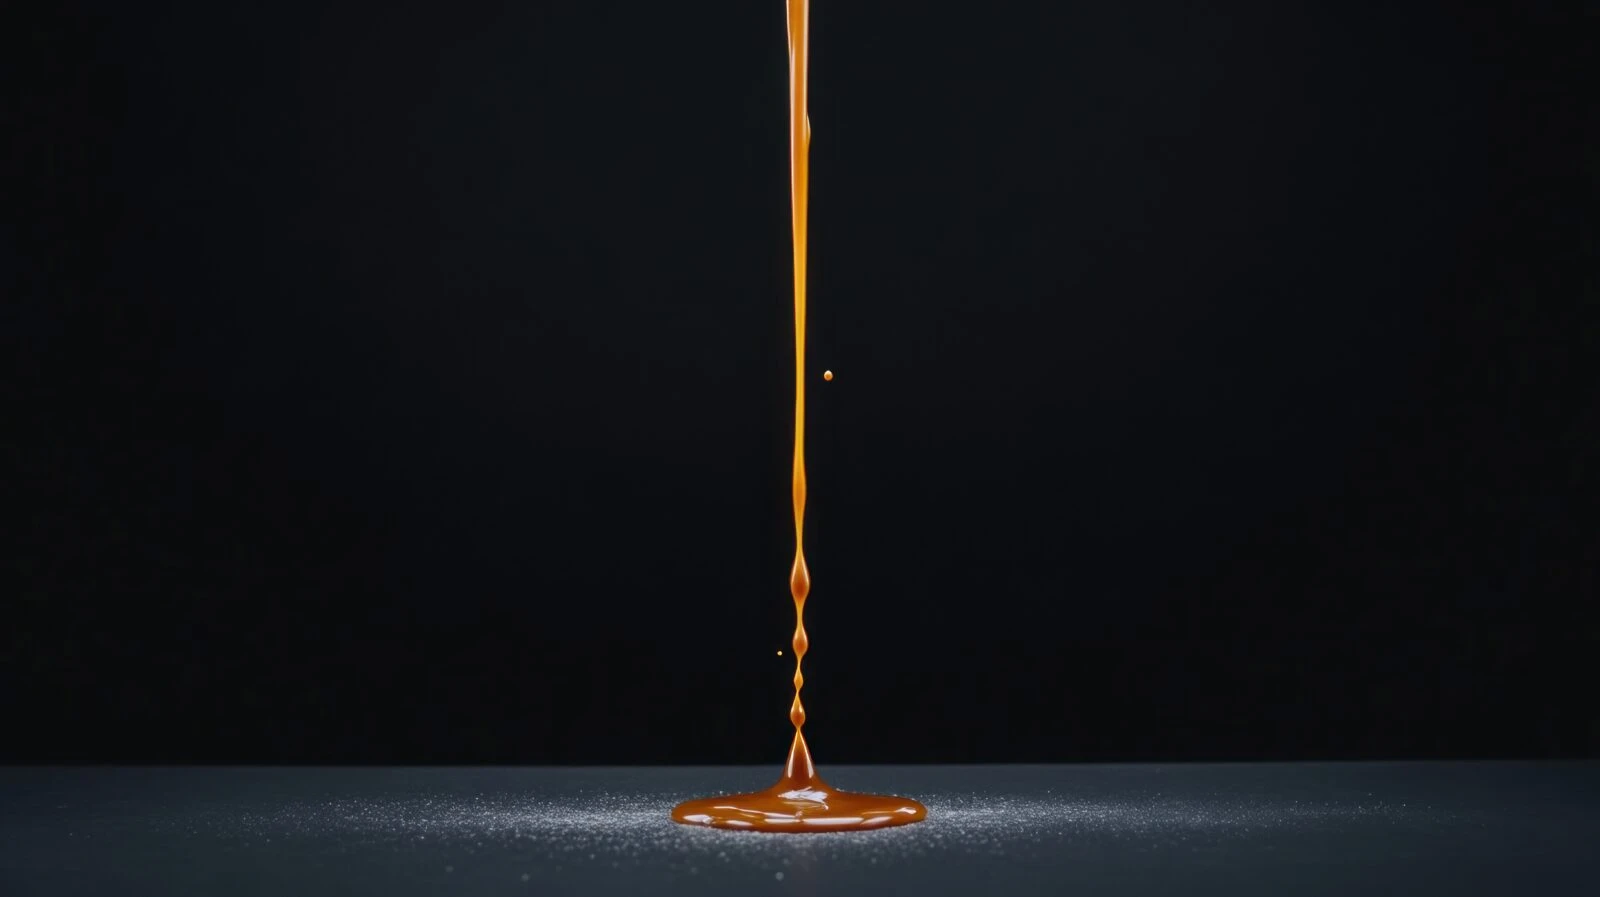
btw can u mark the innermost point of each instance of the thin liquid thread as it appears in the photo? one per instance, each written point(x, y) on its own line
point(799, 152)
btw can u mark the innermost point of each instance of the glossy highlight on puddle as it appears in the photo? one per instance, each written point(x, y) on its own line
point(800, 801)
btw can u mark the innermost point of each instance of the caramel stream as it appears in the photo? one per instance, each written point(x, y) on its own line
point(801, 800)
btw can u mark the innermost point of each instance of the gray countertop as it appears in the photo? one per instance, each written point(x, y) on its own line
point(1281, 829)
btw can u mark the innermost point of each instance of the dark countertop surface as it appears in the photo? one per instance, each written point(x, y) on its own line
point(1281, 829)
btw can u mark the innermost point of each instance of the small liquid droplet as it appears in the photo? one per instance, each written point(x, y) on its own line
point(780, 653)
point(827, 375)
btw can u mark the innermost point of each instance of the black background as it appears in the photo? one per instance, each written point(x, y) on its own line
point(411, 384)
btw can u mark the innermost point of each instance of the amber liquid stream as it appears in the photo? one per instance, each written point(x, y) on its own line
point(800, 801)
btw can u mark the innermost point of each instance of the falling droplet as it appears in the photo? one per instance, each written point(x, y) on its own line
point(827, 375)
